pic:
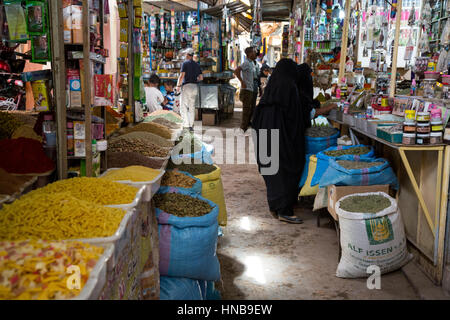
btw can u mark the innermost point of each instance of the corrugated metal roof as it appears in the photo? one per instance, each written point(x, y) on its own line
point(234, 8)
point(276, 10)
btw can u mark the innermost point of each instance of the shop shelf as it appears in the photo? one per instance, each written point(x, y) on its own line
point(390, 137)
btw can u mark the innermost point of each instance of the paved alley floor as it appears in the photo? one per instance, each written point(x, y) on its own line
point(262, 258)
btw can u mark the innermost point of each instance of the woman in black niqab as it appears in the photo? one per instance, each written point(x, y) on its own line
point(282, 108)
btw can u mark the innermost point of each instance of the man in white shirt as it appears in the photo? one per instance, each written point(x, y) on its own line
point(246, 73)
point(153, 96)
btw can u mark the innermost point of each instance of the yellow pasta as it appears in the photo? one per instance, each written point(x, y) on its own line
point(57, 216)
point(98, 191)
point(132, 173)
point(38, 269)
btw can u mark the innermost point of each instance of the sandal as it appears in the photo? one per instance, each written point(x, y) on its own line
point(290, 219)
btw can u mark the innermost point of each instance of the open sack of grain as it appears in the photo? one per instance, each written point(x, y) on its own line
point(372, 234)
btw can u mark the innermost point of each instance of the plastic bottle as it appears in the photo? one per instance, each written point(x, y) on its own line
point(49, 130)
point(70, 139)
point(369, 112)
point(413, 88)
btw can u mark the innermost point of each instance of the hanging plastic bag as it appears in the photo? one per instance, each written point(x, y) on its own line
point(17, 24)
point(409, 48)
point(424, 44)
point(445, 39)
point(441, 64)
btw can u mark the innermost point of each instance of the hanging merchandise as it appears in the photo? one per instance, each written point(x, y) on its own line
point(15, 18)
point(394, 9)
point(172, 21)
point(409, 49)
point(412, 16)
point(36, 17)
point(163, 35)
point(445, 38)
point(40, 49)
point(424, 44)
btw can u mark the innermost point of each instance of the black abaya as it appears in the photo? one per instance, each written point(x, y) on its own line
point(281, 108)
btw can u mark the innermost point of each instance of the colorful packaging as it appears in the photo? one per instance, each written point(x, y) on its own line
point(41, 96)
point(103, 95)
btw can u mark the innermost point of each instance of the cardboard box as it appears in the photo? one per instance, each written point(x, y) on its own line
point(77, 23)
point(335, 193)
point(208, 119)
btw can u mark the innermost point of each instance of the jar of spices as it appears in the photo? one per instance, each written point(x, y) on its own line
point(423, 127)
point(437, 126)
point(409, 127)
point(409, 138)
point(423, 138)
point(410, 115)
point(423, 117)
point(70, 139)
point(436, 138)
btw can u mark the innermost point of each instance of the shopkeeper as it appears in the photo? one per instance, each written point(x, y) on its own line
point(187, 84)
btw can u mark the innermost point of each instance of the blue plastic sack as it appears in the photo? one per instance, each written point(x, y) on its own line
point(323, 159)
point(305, 171)
point(196, 188)
point(202, 156)
point(209, 291)
point(175, 288)
point(339, 176)
point(315, 145)
point(187, 245)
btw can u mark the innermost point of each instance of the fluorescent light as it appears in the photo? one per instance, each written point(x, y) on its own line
point(247, 2)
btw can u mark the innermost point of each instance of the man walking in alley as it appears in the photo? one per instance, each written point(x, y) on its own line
point(190, 75)
point(246, 73)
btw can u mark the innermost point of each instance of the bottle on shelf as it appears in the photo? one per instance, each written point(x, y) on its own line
point(49, 130)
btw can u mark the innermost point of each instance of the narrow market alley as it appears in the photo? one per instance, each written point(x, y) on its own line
point(263, 258)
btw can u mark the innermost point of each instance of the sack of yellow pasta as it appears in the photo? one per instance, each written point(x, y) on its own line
point(372, 234)
point(307, 189)
point(212, 189)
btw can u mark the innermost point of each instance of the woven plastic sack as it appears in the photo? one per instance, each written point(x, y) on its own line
point(378, 175)
point(196, 188)
point(369, 239)
point(307, 189)
point(202, 156)
point(212, 189)
point(209, 291)
point(174, 288)
point(305, 171)
point(323, 159)
point(315, 145)
point(187, 245)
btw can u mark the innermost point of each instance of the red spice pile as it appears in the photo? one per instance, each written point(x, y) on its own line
point(24, 156)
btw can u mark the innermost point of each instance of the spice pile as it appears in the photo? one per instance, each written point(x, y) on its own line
point(168, 115)
point(141, 146)
point(26, 131)
point(94, 190)
point(358, 151)
point(147, 136)
point(126, 159)
point(8, 124)
point(320, 132)
point(188, 143)
point(349, 165)
point(365, 204)
point(181, 205)
point(166, 123)
point(132, 173)
point(193, 169)
point(57, 216)
point(151, 127)
point(10, 184)
point(37, 270)
point(177, 179)
point(24, 156)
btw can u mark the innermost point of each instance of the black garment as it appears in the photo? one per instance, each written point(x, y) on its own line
point(192, 71)
point(306, 91)
point(282, 108)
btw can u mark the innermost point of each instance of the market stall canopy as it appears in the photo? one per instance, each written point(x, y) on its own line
point(168, 5)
